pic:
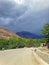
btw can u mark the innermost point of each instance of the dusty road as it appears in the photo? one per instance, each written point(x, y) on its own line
point(23, 56)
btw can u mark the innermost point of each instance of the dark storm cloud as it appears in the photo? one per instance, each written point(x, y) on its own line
point(10, 11)
point(30, 15)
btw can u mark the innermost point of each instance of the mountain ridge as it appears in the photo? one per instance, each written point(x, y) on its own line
point(26, 34)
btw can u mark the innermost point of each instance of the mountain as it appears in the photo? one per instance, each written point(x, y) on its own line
point(5, 33)
point(26, 34)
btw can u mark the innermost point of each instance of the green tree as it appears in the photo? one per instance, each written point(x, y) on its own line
point(20, 43)
point(45, 33)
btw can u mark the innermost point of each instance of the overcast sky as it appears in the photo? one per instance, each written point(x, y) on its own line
point(24, 15)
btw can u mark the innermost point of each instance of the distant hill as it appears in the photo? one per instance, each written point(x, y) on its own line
point(5, 33)
point(26, 34)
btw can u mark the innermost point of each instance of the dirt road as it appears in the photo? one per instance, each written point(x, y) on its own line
point(25, 56)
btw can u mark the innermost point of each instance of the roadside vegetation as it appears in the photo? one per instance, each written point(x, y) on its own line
point(13, 43)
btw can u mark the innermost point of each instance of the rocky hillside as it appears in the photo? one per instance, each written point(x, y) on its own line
point(5, 33)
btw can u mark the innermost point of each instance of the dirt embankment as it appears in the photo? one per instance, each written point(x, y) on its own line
point(43, 55)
